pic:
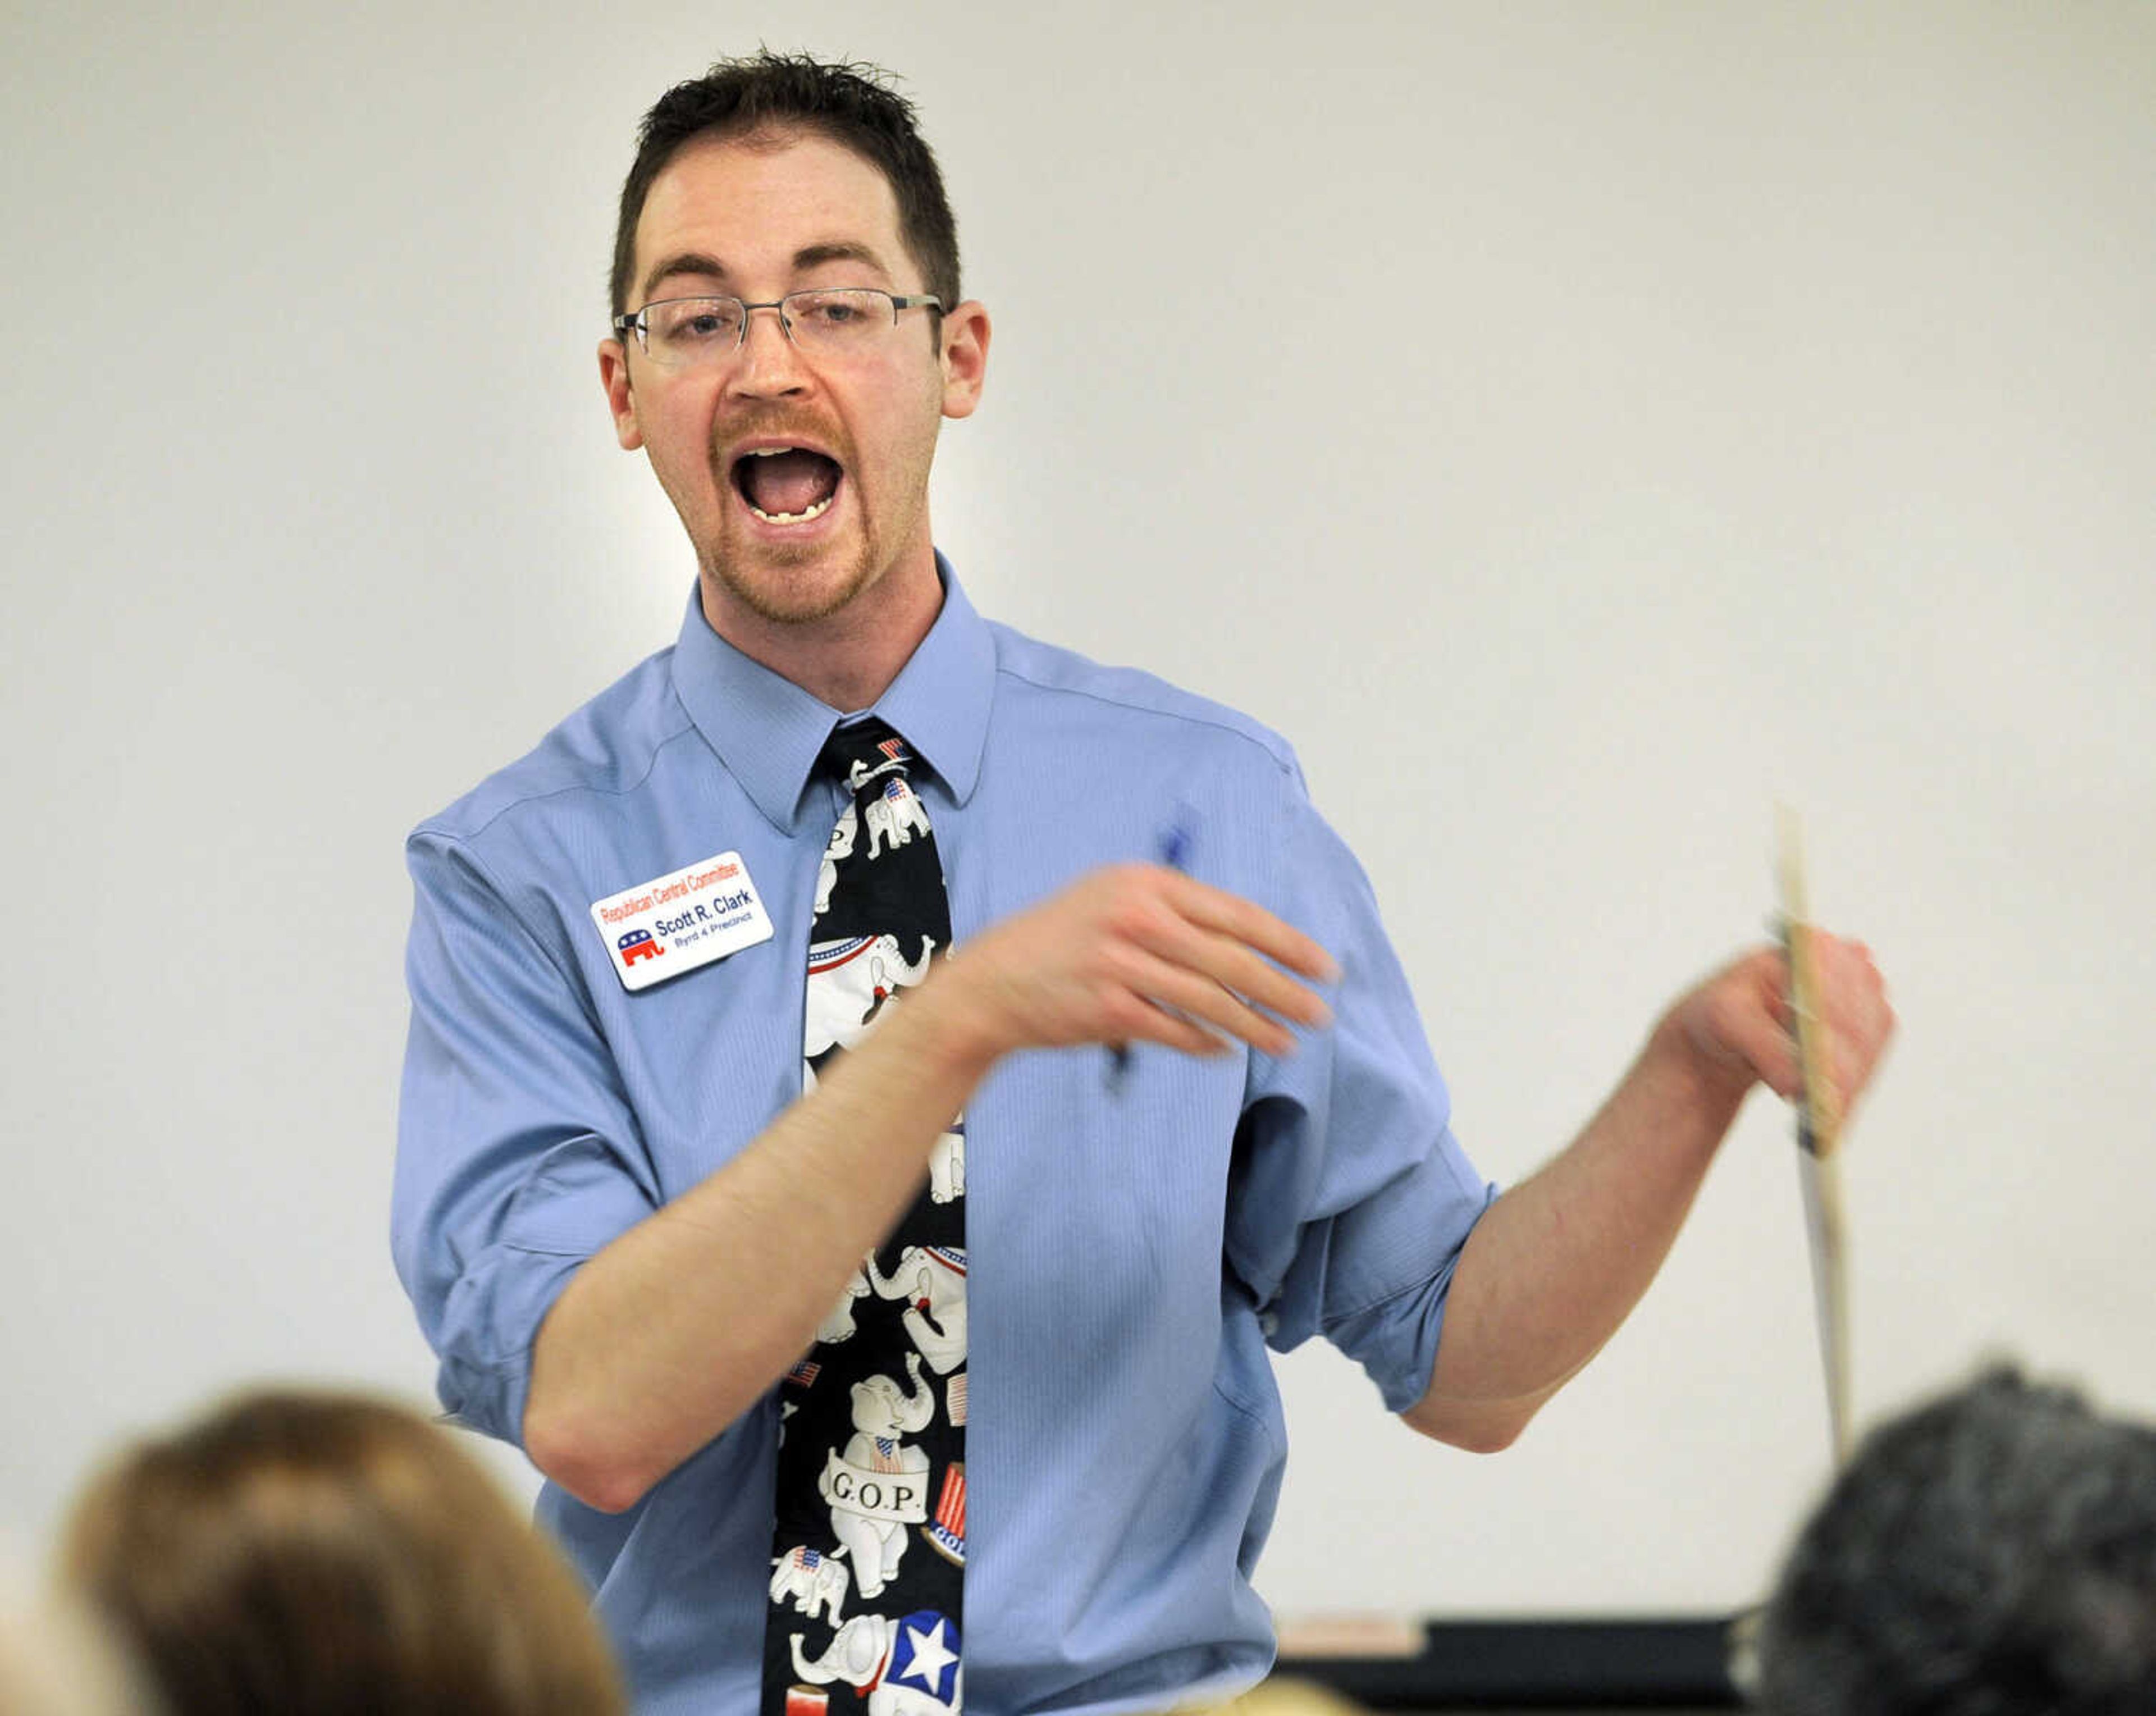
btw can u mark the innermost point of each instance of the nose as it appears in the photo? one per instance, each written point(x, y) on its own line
point(767, 364)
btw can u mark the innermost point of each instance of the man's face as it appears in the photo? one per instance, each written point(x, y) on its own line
point(796, 537)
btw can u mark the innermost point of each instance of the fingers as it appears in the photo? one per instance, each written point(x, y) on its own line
point(1138, 953)
point(1249, 924)
point(1859, 1018)
point(1148, 1022)
point(1196, 997)
point(1749, 1017)
point(1196, 950)
point(1748, 1020)
point(1236, 969)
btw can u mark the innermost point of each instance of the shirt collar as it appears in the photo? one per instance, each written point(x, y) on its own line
point(767, 730)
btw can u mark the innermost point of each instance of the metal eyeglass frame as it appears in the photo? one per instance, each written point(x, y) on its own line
point(637, 321)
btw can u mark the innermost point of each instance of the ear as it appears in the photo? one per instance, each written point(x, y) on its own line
point(965, 356)
point(621, 398)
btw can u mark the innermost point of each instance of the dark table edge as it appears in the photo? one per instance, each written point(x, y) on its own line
point(1526, 1664)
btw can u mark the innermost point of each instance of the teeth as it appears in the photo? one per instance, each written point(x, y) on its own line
point(767, 452)
point(818, 511)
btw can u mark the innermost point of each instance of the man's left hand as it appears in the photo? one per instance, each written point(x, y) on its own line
point(1739, 1025)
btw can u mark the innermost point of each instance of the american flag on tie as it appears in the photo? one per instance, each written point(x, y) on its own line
point(805, 1373)
point(947, 1532)
point(886, 1457)
point(893, 747)
point(956, 1395)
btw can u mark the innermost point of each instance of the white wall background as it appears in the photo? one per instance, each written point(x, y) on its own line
point(1575, 424)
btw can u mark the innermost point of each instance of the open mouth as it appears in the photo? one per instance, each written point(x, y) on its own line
point(786, 485)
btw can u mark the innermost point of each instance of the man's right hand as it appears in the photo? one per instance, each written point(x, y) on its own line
point(1134, 952)
point(677, 1326)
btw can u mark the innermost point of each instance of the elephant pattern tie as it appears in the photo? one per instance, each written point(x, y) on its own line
point(869, 1551)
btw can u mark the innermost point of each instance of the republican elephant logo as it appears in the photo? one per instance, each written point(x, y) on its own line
point(947, 1166)
point(894, 816)
point(848, 982)
point(933, 1278)
point(908, 1666)
point(879, 1486)
point(813, 1579)
point(840, 845)
point(838, 1324)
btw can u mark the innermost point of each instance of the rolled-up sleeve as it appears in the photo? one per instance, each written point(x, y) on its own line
point(518, 1156)
point(1350, 1199)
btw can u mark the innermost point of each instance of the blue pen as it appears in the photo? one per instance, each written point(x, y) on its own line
point(1171, 849)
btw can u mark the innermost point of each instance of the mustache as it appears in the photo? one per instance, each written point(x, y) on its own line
point(781, 425)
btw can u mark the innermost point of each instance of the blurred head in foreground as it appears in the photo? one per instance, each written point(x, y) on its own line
point(1991, 1554)
point(1286, 1698)
point(55, 1661)
point(319, 1554)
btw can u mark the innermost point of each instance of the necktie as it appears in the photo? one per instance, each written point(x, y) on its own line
point(869, 1545)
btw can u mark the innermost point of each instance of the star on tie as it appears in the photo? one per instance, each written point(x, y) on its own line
point(930, 1656)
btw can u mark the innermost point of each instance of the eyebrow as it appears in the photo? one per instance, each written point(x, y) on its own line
point(807, 257)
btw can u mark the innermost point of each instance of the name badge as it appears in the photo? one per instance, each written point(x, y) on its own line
point(676, 923)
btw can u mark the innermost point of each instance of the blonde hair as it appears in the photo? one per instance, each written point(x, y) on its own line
point(319, 1553)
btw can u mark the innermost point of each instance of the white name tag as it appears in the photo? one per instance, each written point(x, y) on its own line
point(675, 923)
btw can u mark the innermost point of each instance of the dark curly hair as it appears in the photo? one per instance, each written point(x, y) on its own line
point(1990, 1553)
point(853, 106)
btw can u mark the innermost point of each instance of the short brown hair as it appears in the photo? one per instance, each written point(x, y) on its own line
point(316, 1553)
point(854, 106)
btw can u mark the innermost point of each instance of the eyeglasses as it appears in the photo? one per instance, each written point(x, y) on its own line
point(693, 333)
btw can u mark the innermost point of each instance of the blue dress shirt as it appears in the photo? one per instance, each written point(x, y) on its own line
point(1133, 1243)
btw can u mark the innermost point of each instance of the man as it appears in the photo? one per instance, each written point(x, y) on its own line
point(624, 1224)
point(1991, 1553)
